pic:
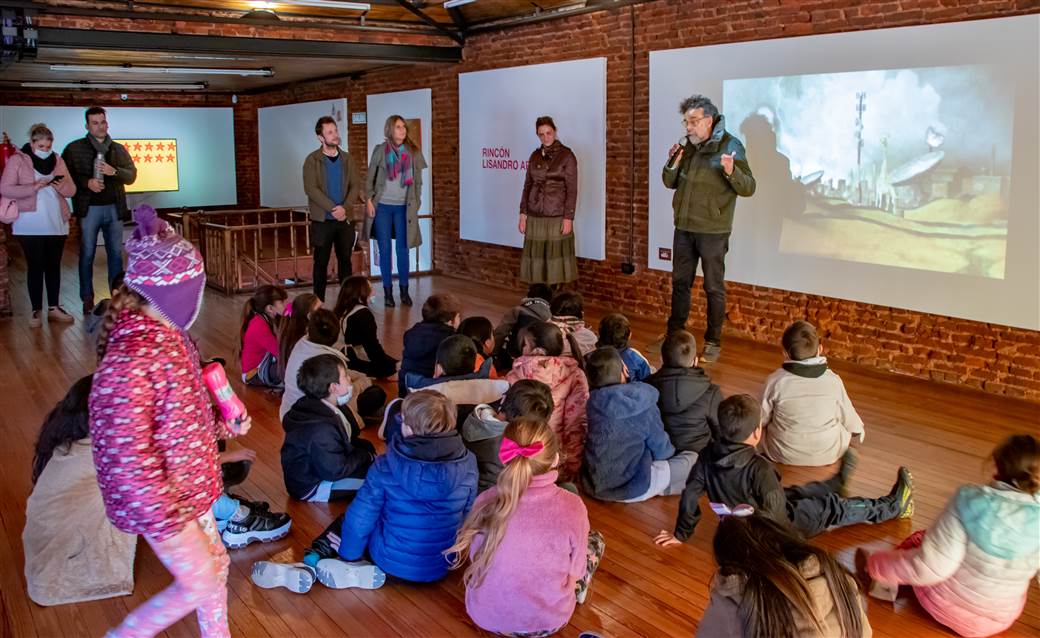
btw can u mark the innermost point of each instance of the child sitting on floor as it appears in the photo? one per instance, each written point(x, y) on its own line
point(628, 456)
point(971, 570)
point(323, 457)
point(533, 307)
point(688, 400)
point(453, 377)
point(615, 331)
point(406, 514)
point(807, 417)
point(480, 330)
point(482, 431)
point(261, 318)
point(771, 583)
point(543, 360)
point(733, 473)
point(528, 541)
point(568, 312)
point(440, 318)
point(360, 334)
point(294, 327)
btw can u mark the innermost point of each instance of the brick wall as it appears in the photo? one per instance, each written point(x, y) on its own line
point(993, 358)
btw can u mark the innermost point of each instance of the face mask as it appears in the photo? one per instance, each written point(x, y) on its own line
point(344, 399)
point(42, 154)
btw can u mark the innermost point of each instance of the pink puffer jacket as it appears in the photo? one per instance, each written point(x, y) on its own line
point(18, 180)
point(570, 392)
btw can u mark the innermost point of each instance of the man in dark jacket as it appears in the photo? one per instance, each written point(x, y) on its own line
point(733, 473)
point(323, 457)
point(707, 172)
point(688, 400)
point(99, 203)
point(627, 454)
point(332, 183)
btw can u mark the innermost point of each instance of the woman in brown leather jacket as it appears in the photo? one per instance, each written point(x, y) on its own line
point(547, 210)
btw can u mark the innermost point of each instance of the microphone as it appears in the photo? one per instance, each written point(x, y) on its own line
point(680, 143)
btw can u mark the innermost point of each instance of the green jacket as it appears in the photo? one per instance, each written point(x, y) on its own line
point(375, 184)
point(318, 202)
point(704, 195)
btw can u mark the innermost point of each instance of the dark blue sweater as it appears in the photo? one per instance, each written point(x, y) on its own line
point(625, 437)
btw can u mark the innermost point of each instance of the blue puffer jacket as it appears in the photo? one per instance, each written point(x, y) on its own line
point(625, 437)
point(411, 505)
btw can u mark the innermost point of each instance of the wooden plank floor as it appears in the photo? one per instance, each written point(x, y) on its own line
point(942, 432)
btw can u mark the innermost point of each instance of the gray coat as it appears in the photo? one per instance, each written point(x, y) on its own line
point(375, 184)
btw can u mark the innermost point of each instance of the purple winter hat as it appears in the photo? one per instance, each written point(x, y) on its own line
point(164, 268)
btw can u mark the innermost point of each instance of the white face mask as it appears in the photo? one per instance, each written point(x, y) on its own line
point(42, 154)
point(344, 399)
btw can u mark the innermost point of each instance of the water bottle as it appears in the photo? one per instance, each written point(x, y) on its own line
point(98, 175)
point(231, 407)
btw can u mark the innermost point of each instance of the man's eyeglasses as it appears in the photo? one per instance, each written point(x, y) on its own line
point(695, 121)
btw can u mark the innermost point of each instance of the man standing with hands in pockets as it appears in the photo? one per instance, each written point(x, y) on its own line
point(332, 184)
point(101, 170)
point(707, 169)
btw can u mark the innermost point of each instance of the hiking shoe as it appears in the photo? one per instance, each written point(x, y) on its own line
point(36, 320)
point(712, 352)
point(903, 493)
point(340, 574)
point(57, 313)
point(849, 460)
point(258, 525)
point(295, 577)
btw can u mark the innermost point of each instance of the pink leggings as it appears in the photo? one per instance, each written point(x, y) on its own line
point(199, 563)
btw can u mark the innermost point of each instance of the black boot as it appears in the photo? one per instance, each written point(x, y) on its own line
point(406, 299)
point(388, 297)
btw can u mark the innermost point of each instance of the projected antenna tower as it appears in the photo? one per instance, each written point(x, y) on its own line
point(860, 108)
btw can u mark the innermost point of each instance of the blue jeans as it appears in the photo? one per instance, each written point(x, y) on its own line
point(104, 219)
point(392, 221)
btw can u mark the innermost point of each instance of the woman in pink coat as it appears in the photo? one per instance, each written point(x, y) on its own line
point(971, 570)
point(543, 360)
point(38, 181)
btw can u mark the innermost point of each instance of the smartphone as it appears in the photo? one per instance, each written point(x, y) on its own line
point(57, 178)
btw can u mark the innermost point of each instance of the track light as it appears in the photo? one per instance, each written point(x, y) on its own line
point(326, 4)
point(194, 86)
point(101, 68)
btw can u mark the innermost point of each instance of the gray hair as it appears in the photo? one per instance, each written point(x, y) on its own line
point(698, 102)
point(39, 132)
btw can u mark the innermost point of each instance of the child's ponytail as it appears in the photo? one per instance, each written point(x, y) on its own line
point(122, 299)
point(529, 448)
point(263, 297)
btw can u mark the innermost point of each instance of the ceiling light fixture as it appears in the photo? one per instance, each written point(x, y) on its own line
point(328, 4)
point(450, 4)
point(101, 68)
point(195, 86)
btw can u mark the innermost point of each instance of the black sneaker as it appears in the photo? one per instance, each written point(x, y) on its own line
point(260, 525)
point(712, 352)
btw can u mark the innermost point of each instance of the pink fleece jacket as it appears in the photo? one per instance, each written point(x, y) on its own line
point(529, 585)
point(258, 340)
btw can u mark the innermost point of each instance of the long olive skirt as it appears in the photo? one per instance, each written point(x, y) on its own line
point(548, 257)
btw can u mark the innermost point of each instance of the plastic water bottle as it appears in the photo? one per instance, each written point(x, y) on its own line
point(98, 175)
point(231, 407)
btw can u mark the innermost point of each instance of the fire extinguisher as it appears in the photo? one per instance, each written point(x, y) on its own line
point(7, 150)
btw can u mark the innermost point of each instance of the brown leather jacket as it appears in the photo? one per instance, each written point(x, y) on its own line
point(551, 186)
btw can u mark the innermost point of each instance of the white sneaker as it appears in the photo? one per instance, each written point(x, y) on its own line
point(339, 574)
point(57, 313)
point(295, 577)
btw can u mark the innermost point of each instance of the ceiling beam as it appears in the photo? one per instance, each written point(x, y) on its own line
point(578, 8)
point(458, 19)
point(53, 38)
point(454, 35)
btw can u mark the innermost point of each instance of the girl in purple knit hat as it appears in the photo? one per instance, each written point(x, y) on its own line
point(153, 429)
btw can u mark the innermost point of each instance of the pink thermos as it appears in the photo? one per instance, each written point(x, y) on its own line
point(231, 407)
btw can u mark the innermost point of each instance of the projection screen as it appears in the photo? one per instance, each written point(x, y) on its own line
point(897, 167)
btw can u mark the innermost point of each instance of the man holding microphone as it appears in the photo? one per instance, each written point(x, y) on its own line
point(707, 169)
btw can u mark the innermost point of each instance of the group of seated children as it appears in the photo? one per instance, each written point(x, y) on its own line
point(478, 472)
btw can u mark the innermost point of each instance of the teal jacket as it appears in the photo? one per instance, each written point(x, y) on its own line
point(705, 196)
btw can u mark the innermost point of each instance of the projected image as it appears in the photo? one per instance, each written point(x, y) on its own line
point(908, 168)
point(156, 162)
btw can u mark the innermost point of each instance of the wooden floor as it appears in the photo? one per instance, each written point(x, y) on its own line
point(942, 432)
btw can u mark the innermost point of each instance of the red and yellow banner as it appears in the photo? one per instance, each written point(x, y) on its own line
point(156, 162)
